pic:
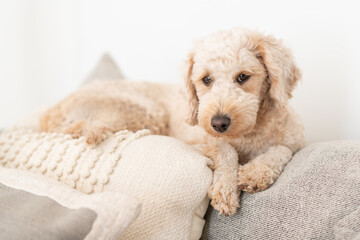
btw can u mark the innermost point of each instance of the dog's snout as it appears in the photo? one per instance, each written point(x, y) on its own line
point(220, 123)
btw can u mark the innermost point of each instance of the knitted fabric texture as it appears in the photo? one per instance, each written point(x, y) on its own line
point(316, 197)
point(168, 177)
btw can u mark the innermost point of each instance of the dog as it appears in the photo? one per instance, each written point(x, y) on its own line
point(233, 107)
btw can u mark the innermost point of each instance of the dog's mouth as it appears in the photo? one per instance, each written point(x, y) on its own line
point(225, 126)
point(227, 119)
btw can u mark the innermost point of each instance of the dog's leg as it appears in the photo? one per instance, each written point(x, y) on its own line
point(224, 193)
point(76, 129)
point(259, 173)
point(94, 131)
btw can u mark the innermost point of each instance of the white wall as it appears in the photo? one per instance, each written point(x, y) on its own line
point(48, 47)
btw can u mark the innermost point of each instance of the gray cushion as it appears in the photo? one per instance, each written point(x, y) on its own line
point(348, 227)
point(35, 207)
point(24, 215)
point(316, 197)
point(106, 69)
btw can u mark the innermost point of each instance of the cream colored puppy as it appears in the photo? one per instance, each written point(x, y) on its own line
point(234, 108)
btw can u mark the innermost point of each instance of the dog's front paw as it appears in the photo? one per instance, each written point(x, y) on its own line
point(224, 197)
point(254, 178)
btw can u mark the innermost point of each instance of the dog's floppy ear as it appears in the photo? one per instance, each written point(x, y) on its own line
point(281, 68)
point(190, 91)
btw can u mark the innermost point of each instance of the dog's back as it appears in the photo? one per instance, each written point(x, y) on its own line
point(105, 107)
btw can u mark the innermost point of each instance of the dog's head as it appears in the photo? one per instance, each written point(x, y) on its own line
point(229, 75)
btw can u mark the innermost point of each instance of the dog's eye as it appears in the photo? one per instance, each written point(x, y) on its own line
point(242, 78)
point(207, 80)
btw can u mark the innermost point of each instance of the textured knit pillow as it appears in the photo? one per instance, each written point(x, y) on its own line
point(36, 207)
point(166, 175)
point(316, 197)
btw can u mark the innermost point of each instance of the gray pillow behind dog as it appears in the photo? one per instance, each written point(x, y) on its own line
point(106, 69)
point(316, 197)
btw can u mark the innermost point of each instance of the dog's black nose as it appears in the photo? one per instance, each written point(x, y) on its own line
point(220, 123)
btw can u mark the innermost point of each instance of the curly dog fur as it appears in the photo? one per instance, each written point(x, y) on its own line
point(249, 150)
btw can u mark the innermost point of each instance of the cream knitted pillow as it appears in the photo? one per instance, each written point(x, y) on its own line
point(166, 175)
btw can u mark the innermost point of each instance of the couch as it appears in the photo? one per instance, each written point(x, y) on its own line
point(157, 186)
point(316, 197)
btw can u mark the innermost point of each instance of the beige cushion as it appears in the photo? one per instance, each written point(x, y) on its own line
point(168, 176)
point(35, 207)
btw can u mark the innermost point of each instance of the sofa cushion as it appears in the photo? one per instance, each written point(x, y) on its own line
point(106, 69)
point(349, 226)
point(169, 177)
point(316, 197)
point(23, 214)
point(35, 207)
